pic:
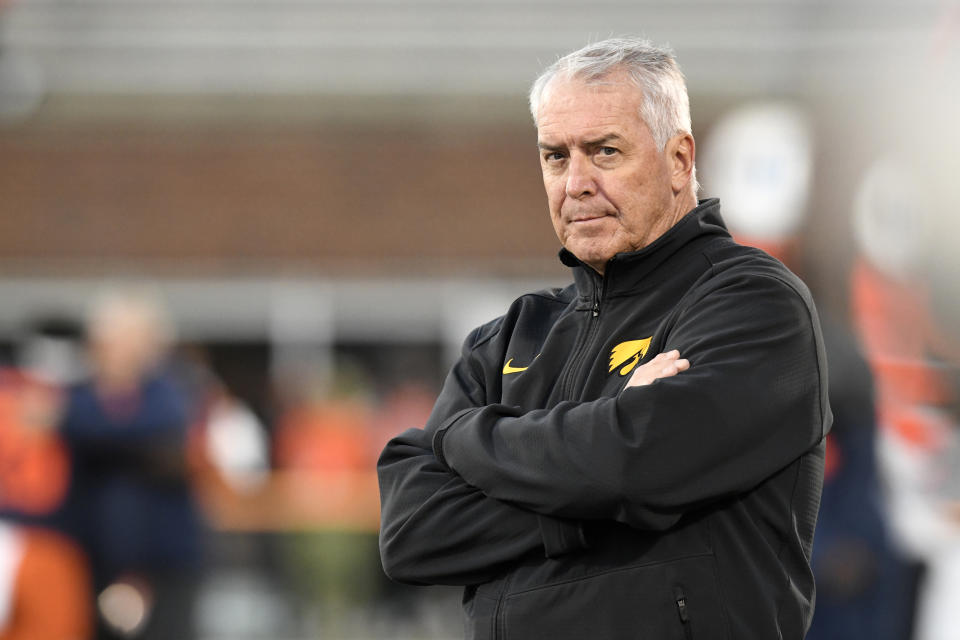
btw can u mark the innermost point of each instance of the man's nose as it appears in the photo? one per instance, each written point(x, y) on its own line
point(581, 180)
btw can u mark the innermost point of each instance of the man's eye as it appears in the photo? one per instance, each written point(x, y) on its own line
point(554, 156)
point(608, 151)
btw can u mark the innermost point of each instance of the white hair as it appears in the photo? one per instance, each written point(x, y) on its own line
point(119, 308)
point(665, 108)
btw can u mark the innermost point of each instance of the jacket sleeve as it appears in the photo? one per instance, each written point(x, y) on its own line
point(752, 401)
point(435, 528)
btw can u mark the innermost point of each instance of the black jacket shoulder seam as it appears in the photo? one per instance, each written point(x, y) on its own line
point(494, 326)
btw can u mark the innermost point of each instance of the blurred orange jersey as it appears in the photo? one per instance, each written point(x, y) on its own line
point(328, 437)
point(50, 596)
point(34, 463)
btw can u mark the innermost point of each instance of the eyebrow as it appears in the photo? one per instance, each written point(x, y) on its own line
point(594, 142)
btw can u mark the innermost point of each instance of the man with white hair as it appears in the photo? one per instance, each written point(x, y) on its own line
point(126, 427)
point(639, 454)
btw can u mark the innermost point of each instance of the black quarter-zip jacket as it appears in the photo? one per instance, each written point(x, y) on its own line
point(572, 507)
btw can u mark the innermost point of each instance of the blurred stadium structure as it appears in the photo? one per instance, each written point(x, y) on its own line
point(327, 196)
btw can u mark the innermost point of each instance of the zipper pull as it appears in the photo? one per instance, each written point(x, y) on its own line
point(596, 308)
point(682, 609)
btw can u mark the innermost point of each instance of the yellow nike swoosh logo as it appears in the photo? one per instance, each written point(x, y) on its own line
point(508, 369)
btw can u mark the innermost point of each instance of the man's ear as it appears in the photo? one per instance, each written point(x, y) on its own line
point(681, 154)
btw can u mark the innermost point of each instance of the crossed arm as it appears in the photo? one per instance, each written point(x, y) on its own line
point(499, 484)
point(438, 529)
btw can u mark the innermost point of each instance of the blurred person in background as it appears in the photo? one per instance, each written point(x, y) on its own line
point(322, 434)
point(914, 359)
point(126, 428)
point(45, 591)
point(863, 586)
point(639, 454)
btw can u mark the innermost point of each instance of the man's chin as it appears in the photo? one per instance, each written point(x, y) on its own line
point(596, 257)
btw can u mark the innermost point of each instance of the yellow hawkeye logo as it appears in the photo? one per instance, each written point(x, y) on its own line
point(628, 352)
point(509, 369)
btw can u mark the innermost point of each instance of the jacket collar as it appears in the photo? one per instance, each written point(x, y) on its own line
point(632, 271)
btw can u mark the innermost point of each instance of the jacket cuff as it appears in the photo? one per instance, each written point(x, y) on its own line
point(561, 536)
point(437, 442)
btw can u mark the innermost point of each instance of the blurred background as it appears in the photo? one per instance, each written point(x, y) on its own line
point(241, 243)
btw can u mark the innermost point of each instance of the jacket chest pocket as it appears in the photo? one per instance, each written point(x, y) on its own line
point(674, 600)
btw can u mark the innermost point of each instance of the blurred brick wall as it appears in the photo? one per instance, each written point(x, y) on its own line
point(98, 197)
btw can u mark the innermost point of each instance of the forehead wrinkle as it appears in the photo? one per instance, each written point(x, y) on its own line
point(584, 140)
point(591, 119)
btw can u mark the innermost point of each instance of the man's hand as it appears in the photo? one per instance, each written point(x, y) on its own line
point(665, 365)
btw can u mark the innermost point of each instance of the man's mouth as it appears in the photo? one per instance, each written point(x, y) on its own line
point(588, 218)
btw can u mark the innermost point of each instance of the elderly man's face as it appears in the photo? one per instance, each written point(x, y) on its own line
point(608, 186)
